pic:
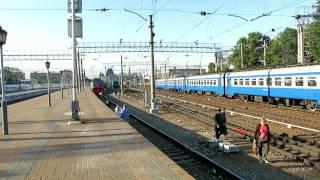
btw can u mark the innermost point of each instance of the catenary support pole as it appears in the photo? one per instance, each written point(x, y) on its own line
point(82, 76)
point(264, 53)
point(121, 79)
point(75, 102)
point(153, 108)
point(78, 71)
point(241, 55)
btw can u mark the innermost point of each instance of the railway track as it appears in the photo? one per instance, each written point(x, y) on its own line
point(292, 115)
point(193, 161)
point(302, 149)
point(305, 118)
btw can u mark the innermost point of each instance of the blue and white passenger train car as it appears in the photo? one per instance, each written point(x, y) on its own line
point(290, 86)
point(247, 83)
point(207, 83)
point(296, 83)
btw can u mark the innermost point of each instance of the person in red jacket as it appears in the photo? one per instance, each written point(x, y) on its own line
point(262, 138)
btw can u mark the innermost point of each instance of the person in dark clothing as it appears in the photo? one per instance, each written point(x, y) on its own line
point(262, 139)
point(220, 126)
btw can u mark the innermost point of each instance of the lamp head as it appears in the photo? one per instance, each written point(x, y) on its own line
point(3, 36)
point(47, 64)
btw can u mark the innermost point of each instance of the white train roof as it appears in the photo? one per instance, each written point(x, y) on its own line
point(296, 70)
point(249, 73)
point(278, 71)
point(205, 76)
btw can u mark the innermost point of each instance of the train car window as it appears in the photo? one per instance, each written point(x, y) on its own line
point(214, 82)
point(241, 82)
point(288, 81)
point(229, 82)
point(269, 81)
point(299, 81)
point(211, 83)
point(312, 81)
point(277, 81)
point(235, 82)
point(261, 82)
point(247, 82)
point(253, 82)
point(219, 81)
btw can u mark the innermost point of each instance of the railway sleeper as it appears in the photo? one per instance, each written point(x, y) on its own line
point(311, 149)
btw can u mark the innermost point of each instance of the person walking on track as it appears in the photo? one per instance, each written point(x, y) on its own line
point(262, 138)
point(220, 126)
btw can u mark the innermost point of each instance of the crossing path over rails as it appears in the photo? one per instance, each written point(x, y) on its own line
point(42, 145)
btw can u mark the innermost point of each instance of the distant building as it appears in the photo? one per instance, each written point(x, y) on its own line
point(111, 78)
point(55, 77)
point(185, 72)
point(67, 77)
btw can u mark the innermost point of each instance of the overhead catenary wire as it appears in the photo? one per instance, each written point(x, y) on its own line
point(270, 13)
point(199, 23)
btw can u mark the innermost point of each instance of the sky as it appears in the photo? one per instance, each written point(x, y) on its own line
point(41, 26)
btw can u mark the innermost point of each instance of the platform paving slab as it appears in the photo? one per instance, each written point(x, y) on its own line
point(41, 144)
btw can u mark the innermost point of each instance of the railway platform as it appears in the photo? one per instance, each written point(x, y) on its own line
point(41, 144)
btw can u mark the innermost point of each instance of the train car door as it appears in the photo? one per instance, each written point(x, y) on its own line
point(220, 84)
point(227, 84)
point(185, 84)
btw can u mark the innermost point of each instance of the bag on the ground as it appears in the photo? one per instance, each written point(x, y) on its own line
point(254, 148)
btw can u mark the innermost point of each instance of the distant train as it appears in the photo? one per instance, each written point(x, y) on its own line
point(26, 86)
point(289, 86)
point(115, 85)
point(97, 86)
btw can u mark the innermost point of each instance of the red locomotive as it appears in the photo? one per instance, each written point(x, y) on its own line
point(97, 86)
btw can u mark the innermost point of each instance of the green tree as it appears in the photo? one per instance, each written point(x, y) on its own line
point(255, 49)
point(283, 50)
point(235, 58)
point(317, 11)
point(252, 47)
point(211, 68)
point(13, 75)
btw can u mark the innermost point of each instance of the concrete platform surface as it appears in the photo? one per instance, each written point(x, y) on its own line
point(42, 145)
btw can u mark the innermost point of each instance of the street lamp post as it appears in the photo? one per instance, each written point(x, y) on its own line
point(49, 95)
point(153, 108)
point(3, 38)
point(61, 77)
